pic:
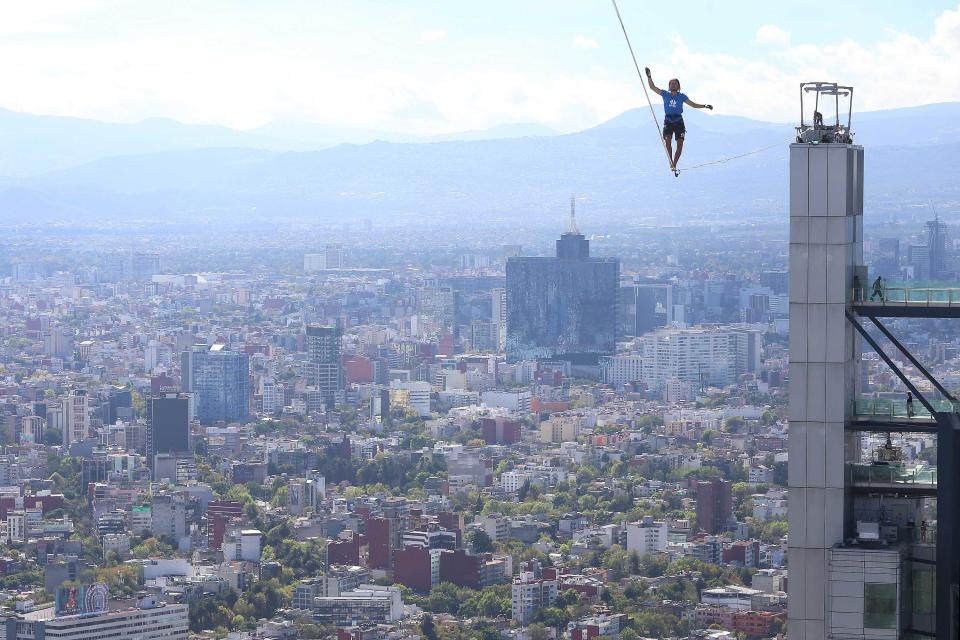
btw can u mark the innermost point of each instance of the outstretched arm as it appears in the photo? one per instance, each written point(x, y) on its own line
point(653, 87)
point(697, 105)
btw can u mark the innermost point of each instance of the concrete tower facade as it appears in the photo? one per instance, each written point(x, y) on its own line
point(826, 247)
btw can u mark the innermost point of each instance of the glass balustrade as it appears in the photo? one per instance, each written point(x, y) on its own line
point(907, 295)
point(892, 475)
point(891, 408)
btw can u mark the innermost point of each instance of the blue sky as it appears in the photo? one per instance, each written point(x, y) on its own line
point(431, 67)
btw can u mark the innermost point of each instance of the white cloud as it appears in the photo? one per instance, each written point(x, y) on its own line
point(583, 42)
point(434, 35)
point(767, 88)
point(772, 34)
point(44, 17)
point(181, 69)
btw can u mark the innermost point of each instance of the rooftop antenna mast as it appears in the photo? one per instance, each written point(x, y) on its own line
point(573, 216)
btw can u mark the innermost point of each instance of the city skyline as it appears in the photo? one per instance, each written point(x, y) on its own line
point(378, 321)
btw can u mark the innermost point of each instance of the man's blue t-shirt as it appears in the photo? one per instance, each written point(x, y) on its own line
point(673, 104)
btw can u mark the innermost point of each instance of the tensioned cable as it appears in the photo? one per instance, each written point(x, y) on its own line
point(729, 158)
point(653, 113)
point(645, 92)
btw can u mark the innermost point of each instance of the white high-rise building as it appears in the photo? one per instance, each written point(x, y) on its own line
point(16, 526)
point(76, 417)
point(244, 545)
point(707, 355)
point(648, 536)
point(271, 394)
point(499, 316)
point(511, 481)
point(622, 369)
point(530, 594)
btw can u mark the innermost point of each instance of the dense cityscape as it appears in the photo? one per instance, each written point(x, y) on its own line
point(429, 320)
point(378, 440)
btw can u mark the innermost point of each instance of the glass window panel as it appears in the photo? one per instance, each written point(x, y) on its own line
point(879, 606)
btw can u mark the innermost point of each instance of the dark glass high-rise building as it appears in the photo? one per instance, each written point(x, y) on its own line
point(713, 505)
point(938, 246)
point(563, 307)
point(220, 381)
point(168, 428)
point(324, 366)
point(120, 405)
point(638, 310)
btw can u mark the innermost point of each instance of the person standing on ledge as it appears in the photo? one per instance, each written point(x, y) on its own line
point(673, 126)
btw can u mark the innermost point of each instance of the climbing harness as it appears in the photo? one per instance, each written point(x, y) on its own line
point(656, 122)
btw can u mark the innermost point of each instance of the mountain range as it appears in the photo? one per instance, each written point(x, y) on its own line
point(61, 169)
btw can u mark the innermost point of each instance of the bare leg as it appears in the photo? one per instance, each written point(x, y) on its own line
point(669, 143)
point(676, 158)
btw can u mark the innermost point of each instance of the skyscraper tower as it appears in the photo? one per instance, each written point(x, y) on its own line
point(498, 315)
point(168, 424)
point(938, 249)
point(324, 366)
point(872, 532)
point(76, 416)
point(564, 306)
point(713, 505)
point(220, 381)
point(826, 246)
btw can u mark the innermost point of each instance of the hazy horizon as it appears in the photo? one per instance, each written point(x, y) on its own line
point(431, 68)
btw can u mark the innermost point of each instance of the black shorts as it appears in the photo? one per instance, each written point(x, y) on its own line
point(674, 128)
